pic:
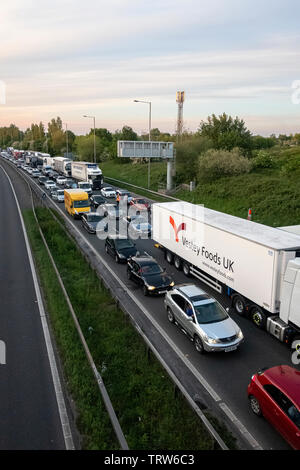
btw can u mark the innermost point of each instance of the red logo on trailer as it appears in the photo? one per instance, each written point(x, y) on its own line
point(177, 229)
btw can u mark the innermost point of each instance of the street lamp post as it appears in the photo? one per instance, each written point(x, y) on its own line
point(149, 159)
point(94, 119)
point(67, 140)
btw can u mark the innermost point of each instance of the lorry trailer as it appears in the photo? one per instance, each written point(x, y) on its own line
point(256, 265)
point(88, 172)
point(62, 165)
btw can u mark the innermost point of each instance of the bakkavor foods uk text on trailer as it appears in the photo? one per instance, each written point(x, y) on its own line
point(257, 265)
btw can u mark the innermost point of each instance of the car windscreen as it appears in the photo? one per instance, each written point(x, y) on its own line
point(122, 244)
point(95, 218)
point(99, 199)
point(84, 203)
point(150, 269)
point(209, 311)
point(60, 192)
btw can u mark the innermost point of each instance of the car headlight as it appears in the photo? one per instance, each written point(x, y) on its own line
point(209, 340)
point(212, 341)
point(172, 284)
point(121, 256)
point(150, 287)
point(240, 335)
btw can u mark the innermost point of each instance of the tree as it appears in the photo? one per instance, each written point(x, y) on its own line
point(217, 163)
point(226, 132)
point(85, 147)
point(187, 156)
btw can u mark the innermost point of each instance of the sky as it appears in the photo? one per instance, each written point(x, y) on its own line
point(69, 58)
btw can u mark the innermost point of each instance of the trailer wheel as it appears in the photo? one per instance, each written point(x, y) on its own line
point(258, 317)
point(186, 269)
point(239, 305)
point(169, 257)
point(177, 263)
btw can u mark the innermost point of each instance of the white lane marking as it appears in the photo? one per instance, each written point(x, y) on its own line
point(66, 429)
point(165, 335)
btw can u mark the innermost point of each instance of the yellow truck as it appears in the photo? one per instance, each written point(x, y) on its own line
point(76, 202)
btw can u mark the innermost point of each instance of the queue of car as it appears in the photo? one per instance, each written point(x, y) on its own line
point(273, 393)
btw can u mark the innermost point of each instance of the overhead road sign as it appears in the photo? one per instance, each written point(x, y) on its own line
point(145, 149)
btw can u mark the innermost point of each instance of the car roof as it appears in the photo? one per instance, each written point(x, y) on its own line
point(144, 258)
point(191, 290)
point(287, 379)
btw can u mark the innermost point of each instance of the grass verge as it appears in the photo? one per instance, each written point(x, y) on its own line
point(151, 415)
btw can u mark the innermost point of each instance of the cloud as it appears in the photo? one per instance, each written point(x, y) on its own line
point(67, 58)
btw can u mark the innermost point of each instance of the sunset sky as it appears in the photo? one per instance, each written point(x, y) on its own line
point(69, 58)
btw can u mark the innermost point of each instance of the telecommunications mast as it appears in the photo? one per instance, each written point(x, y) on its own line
point(179, 100)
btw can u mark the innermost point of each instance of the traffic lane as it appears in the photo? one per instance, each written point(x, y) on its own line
point(228, 373)
point(236, 368)
point(29, 416)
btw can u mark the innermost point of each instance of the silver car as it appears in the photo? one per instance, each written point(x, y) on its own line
point(203, 319)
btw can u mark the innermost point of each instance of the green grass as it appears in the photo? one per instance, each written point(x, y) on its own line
point(151, 415)
point(272, 194)
point(136, 173)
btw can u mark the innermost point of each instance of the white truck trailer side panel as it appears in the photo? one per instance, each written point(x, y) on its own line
point(79, 171)
point(203, 238)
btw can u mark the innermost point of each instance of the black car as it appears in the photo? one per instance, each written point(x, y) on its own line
point(42, 180)
point(90, 221)
point(97, 200)
point(120, 248)
point(146, 272)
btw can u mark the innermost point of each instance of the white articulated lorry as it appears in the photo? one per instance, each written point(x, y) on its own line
point(62, 165)
point(87, 172)
point(256, 265)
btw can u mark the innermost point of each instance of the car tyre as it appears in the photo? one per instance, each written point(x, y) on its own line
point(170, 315)
point(145, 290)
point(255, 405)
point(199, 345)
point(117, 259)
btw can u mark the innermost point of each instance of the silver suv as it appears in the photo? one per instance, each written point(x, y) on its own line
point(202, 318)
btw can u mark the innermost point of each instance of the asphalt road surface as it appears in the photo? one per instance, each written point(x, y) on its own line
point(29, 417)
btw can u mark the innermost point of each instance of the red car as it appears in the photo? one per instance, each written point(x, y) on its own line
point(275, 394)
point(140, 204)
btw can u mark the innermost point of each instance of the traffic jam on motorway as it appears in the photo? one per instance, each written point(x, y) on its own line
point(256, 266)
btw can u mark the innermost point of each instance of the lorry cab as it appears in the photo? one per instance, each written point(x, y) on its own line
point(76, 202)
